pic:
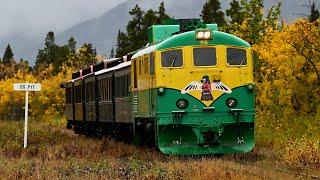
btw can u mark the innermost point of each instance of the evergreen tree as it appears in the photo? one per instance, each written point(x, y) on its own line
point(54, 54)
point(50, 39)
point(211, 13)
point(47, 55)
point(112, 53)
point(72, 45)
point(8, 55)
point(150, 18)
point(123, 44)
point(135, 25)
point(162, 13)
point(137, 29)
point(235, 12)
point(314, 12)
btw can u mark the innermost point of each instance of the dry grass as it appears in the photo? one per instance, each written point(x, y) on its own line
point(54, 153)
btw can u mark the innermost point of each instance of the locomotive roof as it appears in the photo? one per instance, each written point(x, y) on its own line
point(189, 39)
point(119, 66)
point(144, 51)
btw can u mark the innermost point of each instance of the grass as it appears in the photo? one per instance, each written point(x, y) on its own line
point(55, 153)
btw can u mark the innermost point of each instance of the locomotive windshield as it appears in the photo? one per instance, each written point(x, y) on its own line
point(204, 56)
point(172, 58)
point(236, 56)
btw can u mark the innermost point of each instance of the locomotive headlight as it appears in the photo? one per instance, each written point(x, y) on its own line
point(182, 103)
point(207, 35)
point(200, 35)
point(231, 102)
point(203, 34)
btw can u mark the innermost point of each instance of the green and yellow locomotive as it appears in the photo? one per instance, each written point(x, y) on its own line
point(189, 91)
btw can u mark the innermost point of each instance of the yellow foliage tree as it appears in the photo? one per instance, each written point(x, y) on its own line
point(49, 102)
point(290, 68)
point(11, 102)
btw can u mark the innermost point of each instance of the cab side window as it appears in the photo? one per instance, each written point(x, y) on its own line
point(236, 57)
point(172, 58)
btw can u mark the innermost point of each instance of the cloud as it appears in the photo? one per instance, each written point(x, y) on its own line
point(30, 17)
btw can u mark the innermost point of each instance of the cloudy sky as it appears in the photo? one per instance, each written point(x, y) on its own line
point(24, 23)
point(38, 16)
point(43, 15)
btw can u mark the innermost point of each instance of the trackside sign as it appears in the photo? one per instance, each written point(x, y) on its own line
point(27, 87)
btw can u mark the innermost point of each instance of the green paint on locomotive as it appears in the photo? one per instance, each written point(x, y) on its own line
point(198, 131)
point(188, 39)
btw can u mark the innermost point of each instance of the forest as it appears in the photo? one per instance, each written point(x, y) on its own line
point(287, 74)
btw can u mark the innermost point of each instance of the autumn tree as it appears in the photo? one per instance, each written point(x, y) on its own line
point(248, 20)
point(8, 55)
point(290, 69)
point(212, 13)
point(305, 41)
point(86, 56)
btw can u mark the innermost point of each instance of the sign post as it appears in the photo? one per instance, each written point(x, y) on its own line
point(26, 87)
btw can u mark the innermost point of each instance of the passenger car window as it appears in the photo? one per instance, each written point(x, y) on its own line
point(77, 94)
point(236, 56)
point(68, 95)
point(172, 58)
point(204, 56)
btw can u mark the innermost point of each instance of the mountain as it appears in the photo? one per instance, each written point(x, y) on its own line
point(102, 31)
